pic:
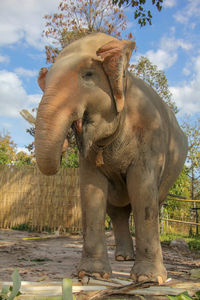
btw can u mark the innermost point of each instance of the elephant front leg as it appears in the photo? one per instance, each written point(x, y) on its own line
point(93, 186)
point(143, 192)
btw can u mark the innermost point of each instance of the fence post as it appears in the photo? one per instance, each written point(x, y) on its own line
point(162, 222)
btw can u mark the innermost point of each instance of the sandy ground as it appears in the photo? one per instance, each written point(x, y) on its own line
point(44, 257)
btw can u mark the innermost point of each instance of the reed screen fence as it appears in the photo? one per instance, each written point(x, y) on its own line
point(41, 202)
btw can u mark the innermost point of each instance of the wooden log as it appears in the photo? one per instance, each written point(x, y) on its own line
point(37, 290)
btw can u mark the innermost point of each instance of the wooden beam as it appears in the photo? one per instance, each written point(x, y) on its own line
point(179, 221)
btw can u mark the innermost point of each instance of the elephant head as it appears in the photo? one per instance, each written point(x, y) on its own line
point(84, 88)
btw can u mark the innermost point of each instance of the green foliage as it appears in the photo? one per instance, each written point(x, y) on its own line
point(4, 292)
point(9, 155)
point(188, 182)
point(192, 130)
point(176, 209)
point(142, 15)
point(193, 242)
point(11, 292)
point(166, 238)
point(71, 158)
point(67, 289)
point(108, 223)
point(7, 150)
point(185, 296)
point(154, 77)
point(182, 185)
point(22, 158)
point(23, 227)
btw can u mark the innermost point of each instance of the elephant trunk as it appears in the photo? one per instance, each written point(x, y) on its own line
point(52, 125)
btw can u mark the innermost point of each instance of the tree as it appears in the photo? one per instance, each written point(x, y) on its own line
point(22, 158)
point(188, 183)
point(7, 149)
point(176, 209)
point(9, 155)
point(192, 130)
point(155, 78)
point(182, 185)
point(140, 13)
point(79, 18)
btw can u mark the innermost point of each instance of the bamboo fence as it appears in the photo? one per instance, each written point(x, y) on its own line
point(41, 202)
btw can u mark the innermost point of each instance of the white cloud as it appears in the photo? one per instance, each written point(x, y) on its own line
point(172, 44)
point(13, 96)
point(191, 10)
point(187, 95)
point(181, 18)
point(184, 45)
point(4, 59)
point(24, 21)
point(25, 72)
point(186, 71)
point(167, 53)
point(161, 58)
point(9, 33)
point(34, 99)
point(169, 3)
point(22, 149)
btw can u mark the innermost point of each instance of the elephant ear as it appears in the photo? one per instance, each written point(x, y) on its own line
point(115, 56)
point(41, 78)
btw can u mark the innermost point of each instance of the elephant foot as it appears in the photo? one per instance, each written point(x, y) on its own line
point(83, 274)
point(90, 267)
point(123, 258)
point(124, 254)
point(149, 271)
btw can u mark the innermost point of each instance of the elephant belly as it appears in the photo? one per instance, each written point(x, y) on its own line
point(117, 193)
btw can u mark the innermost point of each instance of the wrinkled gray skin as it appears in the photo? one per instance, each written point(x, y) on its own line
point(118, 118)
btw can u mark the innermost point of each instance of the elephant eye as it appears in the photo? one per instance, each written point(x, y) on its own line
point(88, 77)
point(88, 74)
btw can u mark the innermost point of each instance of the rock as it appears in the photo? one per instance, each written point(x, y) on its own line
point(179, 244)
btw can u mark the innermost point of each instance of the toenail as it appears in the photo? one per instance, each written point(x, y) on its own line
point(120, 258)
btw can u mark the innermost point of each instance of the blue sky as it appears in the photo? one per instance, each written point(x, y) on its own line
point(172, 43)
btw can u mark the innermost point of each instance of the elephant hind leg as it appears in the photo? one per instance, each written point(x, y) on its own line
point(120, 220)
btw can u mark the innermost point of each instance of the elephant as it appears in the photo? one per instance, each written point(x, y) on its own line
point(131, 150)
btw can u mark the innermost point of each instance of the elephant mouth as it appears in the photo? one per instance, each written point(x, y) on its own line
point(72, 137)
point(84, 139)
point(77, 127)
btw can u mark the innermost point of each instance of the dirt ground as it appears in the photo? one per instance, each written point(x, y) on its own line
point(44, 257)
